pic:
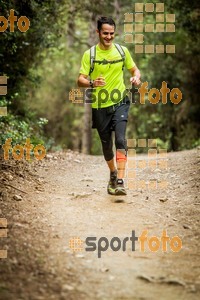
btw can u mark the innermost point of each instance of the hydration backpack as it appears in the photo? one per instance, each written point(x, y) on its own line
point(104, 61)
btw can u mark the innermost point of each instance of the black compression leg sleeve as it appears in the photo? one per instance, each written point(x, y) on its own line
point(107, 145)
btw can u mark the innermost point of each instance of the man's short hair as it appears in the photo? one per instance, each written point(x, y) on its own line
point(105, 20)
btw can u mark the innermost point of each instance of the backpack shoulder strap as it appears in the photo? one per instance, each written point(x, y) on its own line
point(92, 58)
point(121, 52)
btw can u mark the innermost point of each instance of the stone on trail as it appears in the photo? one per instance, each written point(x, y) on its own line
point(17, 197)
point(163, 199)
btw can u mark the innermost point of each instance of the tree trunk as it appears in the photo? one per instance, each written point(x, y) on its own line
point(87, 119)
point(87, 132)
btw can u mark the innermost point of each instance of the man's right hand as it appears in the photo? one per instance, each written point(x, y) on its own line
point(83, 81)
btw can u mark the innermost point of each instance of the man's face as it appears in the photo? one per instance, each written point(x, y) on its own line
point(106, 35)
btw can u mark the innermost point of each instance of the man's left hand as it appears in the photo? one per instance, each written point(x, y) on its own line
point(135, 80)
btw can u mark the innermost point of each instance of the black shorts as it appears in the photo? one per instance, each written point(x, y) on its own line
point(104, 119)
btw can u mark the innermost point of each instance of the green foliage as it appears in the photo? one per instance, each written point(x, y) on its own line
point(176, 125)
point(19, 52)
point(19, 129)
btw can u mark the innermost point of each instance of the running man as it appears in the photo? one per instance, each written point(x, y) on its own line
point(102, 71)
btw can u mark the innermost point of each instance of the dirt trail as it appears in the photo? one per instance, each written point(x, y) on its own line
point(70, 200)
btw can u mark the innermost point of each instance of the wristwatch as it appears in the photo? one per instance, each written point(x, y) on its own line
point(91, 83)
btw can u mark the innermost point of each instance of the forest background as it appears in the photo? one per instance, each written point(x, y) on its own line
point(42, 66)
